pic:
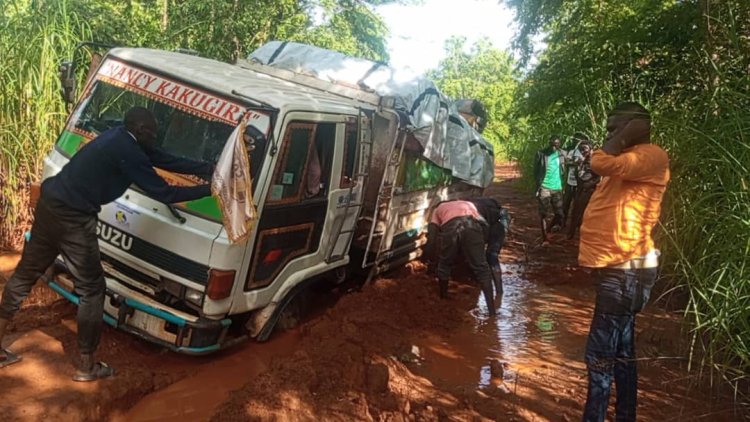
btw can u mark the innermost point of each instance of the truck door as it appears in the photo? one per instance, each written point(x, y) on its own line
point(297, 196)
point(347, 199)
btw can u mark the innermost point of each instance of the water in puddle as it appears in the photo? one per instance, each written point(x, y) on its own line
point(525, 335)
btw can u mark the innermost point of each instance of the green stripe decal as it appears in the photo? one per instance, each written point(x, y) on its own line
point(69, 142)
point(206, 206)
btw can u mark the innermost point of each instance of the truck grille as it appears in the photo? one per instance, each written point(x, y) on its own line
point(132, 273)
point(162, 258)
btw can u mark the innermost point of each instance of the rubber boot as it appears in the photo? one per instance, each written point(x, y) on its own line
point(3, 326)
point(497, 279)
point(487, 291)
point(86, 363)
point(443, 284)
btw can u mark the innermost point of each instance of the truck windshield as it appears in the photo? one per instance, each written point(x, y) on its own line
point(181, 133)
point(193, 123)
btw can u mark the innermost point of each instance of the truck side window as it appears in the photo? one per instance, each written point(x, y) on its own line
point(350, 156)
point(321, 159)
point(305, 163)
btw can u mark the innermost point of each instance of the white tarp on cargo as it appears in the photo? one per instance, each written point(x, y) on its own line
point(447, 144)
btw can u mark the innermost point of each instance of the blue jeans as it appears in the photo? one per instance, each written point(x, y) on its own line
point(610, 349)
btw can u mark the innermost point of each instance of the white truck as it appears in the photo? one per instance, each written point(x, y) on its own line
point(349, 163)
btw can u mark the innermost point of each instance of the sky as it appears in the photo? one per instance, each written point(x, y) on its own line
point(418, 31)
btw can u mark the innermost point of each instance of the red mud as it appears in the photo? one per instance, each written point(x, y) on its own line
point(392, 352)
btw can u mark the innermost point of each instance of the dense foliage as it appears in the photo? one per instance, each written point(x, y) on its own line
point(485, 73)
point(36, 35)
point(688, 62)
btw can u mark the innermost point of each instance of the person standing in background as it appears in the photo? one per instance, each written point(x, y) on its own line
point(549, 166)
point(572, 159)
point(587, 181)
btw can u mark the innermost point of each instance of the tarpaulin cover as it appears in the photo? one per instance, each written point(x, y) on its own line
point(446, 138)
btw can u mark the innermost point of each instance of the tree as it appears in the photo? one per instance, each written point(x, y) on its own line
point(228, 30)
point(484, 73)
point(350, 27)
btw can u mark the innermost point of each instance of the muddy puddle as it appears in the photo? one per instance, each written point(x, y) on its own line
point(196, 397)
point(535, 327)
point(538, 338)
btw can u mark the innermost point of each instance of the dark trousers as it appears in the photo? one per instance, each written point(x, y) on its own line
point(583, 195)
point(610, 349)
point(57, 229)
point(467, 234)
point(495, 242)
point(568, 198)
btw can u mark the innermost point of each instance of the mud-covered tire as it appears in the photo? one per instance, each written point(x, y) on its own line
point(289, 317)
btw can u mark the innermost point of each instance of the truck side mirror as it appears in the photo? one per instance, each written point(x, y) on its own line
point(68, 82)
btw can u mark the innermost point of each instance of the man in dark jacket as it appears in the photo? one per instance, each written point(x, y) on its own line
point(66, 216)
point(549, 167)
point(497, 219)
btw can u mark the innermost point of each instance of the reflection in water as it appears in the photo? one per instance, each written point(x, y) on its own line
point(525, 334)
point(485, 376)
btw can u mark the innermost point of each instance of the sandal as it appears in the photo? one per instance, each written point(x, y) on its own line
point(99, 371)
point(10, 358)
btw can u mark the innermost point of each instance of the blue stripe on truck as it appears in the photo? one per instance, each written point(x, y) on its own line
point(76, 300)
point(149, 310)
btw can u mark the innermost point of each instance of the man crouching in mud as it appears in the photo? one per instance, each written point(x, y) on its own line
point(616, 243)
point(454, 225)
point(65, 223)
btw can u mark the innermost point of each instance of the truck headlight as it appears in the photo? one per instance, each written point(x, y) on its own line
point(183, 292)
point(194, 296)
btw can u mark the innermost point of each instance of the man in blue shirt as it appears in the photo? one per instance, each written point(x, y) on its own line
point(65, 223)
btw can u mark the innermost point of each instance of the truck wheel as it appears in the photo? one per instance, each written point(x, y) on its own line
point(290, 316)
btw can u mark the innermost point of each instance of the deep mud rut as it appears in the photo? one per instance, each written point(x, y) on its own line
point(393, 351)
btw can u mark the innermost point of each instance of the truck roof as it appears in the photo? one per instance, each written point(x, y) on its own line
point(224, 78)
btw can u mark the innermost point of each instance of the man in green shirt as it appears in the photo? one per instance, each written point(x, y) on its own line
point(549, 166)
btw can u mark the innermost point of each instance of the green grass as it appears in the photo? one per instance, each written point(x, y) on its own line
point(33, 45)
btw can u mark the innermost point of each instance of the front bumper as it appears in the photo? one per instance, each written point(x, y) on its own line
point(138, 314)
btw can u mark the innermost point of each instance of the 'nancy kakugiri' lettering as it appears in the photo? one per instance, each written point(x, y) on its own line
point(185, 96)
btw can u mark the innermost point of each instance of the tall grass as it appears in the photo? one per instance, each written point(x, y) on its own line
point(703, 121)
point(707, 229)
point(34, 38)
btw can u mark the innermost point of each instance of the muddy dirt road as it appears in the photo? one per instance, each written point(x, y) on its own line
point(392, 352)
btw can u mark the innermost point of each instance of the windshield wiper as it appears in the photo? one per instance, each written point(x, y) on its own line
point(176, 214)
